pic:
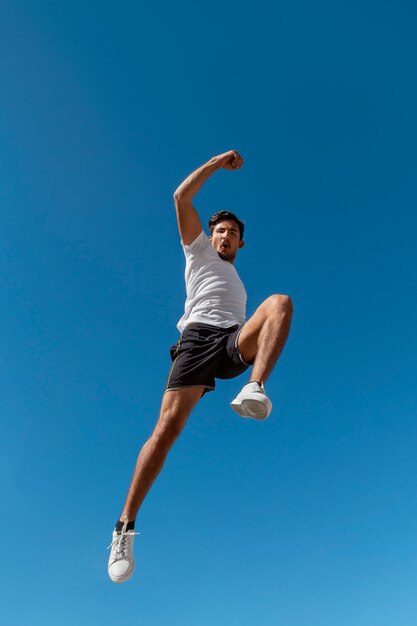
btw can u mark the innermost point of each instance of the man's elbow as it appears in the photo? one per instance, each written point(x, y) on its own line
point(181, 198)
point(177, 196)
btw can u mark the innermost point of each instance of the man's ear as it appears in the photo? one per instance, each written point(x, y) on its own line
point(241, 243)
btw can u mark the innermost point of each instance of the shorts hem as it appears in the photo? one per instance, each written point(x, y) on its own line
point(206, 387)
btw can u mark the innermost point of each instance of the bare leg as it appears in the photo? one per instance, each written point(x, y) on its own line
point(175, 409)
point(264, 335)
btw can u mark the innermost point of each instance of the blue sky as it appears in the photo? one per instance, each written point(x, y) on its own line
point(308, 518)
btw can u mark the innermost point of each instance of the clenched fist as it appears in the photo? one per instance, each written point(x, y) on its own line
point(230, 160)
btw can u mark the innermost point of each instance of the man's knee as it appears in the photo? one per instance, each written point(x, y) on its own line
point(169, 426)
point(279, 304)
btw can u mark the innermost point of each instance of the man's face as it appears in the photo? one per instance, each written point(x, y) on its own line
point(225, 239)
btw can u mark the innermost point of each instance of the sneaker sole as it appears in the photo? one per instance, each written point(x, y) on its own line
point(256, 409)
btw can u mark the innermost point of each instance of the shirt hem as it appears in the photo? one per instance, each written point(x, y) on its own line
point(204, 320)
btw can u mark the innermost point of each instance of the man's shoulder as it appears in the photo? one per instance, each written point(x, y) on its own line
point(198, 245)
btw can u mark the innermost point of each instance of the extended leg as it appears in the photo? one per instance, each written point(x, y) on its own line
point(175, 409)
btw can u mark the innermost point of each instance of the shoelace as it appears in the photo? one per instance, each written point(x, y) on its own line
point(120, 543)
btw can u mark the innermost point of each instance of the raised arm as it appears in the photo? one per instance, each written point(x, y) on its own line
point(189, 223)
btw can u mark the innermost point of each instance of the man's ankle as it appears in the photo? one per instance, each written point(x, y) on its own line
point(120, 524)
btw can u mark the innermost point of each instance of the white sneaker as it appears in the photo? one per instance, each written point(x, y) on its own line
point(252, 401)
point(121, 563)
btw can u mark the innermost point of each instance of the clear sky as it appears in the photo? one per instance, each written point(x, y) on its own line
point(308, 519)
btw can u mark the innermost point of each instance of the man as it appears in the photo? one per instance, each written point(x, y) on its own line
point(215, 342)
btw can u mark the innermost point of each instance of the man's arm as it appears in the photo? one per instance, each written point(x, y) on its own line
point(189, 223)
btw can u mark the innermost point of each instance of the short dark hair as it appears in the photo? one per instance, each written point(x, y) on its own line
point(220, 216)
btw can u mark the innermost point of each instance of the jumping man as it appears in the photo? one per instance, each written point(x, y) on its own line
point(215, 342)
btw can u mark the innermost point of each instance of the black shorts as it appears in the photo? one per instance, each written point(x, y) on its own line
point(203, 353)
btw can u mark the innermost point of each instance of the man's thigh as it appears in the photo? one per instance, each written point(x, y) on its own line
point(247, 342)
point(176, 407)
point(182, 400)
point(248, 338)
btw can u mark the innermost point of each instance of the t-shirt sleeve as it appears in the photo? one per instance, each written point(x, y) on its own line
point(200, 243)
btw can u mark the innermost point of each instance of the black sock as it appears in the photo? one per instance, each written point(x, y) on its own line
point(119, 526)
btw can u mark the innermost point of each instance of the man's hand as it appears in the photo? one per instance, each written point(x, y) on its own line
point(230, 160)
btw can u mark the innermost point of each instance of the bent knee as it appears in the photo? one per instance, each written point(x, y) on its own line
point(280, 303)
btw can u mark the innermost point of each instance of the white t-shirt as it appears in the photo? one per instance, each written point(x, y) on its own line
point(215, 293)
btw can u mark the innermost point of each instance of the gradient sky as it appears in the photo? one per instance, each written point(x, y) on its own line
point(308, 519)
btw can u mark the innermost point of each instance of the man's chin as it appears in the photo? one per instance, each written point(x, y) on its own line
point(226, 257)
